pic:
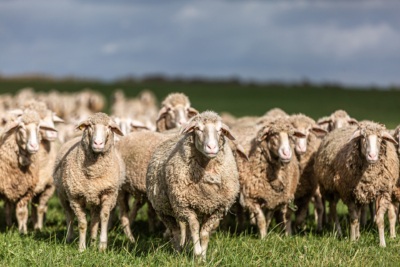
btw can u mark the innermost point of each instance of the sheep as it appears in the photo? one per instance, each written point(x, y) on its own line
point(47, 154)
point(136, 149)
point(19, 164)
point(336, 120)
point(358, 164)
point(194, 175)
point(305, 149)
point(269, 181)
point(175, 111)
point(276, 113)
point(393, 208)
point(227, 118)
point(89, 172)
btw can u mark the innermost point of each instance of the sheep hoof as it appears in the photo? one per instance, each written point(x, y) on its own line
point(82, 248)
point(102, 246)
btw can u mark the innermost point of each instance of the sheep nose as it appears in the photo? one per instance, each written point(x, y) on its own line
point(302, 147)
point(372, 155)
point(33, 146)
point(211, 146)
point(286, 152)
point(181, 123)
point(98, 142)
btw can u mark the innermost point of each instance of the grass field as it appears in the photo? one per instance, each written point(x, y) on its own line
point(226, 248)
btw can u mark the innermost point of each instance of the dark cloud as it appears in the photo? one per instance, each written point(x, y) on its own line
point(355, 42)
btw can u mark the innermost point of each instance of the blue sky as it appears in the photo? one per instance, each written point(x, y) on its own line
point(350, 42)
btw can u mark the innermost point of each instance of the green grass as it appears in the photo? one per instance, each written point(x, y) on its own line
point(226, 247)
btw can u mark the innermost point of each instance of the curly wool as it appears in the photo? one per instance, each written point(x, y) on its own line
point(276, 113)
point(342, 170)
point(30, 116)
point(340, 114)
point(99, 118)
point(207, 117)
point(175, 99)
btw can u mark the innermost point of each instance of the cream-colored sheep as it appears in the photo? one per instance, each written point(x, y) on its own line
point(89, 172)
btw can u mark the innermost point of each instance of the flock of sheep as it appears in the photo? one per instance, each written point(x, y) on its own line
point(189, 167)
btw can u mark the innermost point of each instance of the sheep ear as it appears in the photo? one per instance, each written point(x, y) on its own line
point(263, 134)
point(299, 134)
point(387, 137)
point(188, 127)
point(138, 125)
point(324, 120)
point(242, 152)
point(46, 127)
point(353, 121)
point(11, 127)
point(57, 119)
point(227, 132)
point(192, 112)
point(357, 134)
point(82, 125)
point(114, 127)
point(16, 112)
point(317, 129)
point(162, 113)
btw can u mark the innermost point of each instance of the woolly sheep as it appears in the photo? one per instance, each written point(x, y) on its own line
point(136, 149)
point(19, 165)
point(175, 111)
point(358, 164)
point(336, 120)
point(194, 175)
point(47, 154)
point(89, 172)
point(268, 182)
point(305, 149)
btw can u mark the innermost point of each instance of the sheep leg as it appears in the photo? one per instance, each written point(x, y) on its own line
point(79, 209)
point(324, 213)
point(137, 204)
point(42, 208)
point(151, 214)
point(334, 216)
point(94, 223)
point(372, 210)
point(107, 204)
point(208, 224)
point(113, 216)
point(318, 210)
point(8, 212)
point(382, 204)
point(287, 220)
point(261, 221)
point(363, 217)
point(172, 225)
point(240, 216)
point(123, 203)
point(69, 217)
point(392, 211)
point(353, 212)
point(182, 227)
point(194, 230)
point(22, 215)
point(34, 211)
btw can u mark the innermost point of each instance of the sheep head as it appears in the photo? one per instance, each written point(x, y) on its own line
point(275, 137)
point(209, 134)
point(26, 129)
point(98, 132)
point(338, 119)
point(305, 125)
point(128, 125)
point(176, 111)
point(370, 135)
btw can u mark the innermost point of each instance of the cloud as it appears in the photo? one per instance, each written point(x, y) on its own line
point(346, 41)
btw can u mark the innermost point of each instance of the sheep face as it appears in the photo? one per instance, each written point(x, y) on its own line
point(305, 128)
point(99, 132)
point(275, 139)
point(27, 132)
point(176, 116)
point(208, 137)
point(49, 120)
point(337, 120)
point(370, 142)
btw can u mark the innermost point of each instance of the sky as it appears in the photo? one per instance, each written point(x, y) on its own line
point(350, 42)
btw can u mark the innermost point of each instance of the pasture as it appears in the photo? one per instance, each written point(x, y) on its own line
point(226, 248)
